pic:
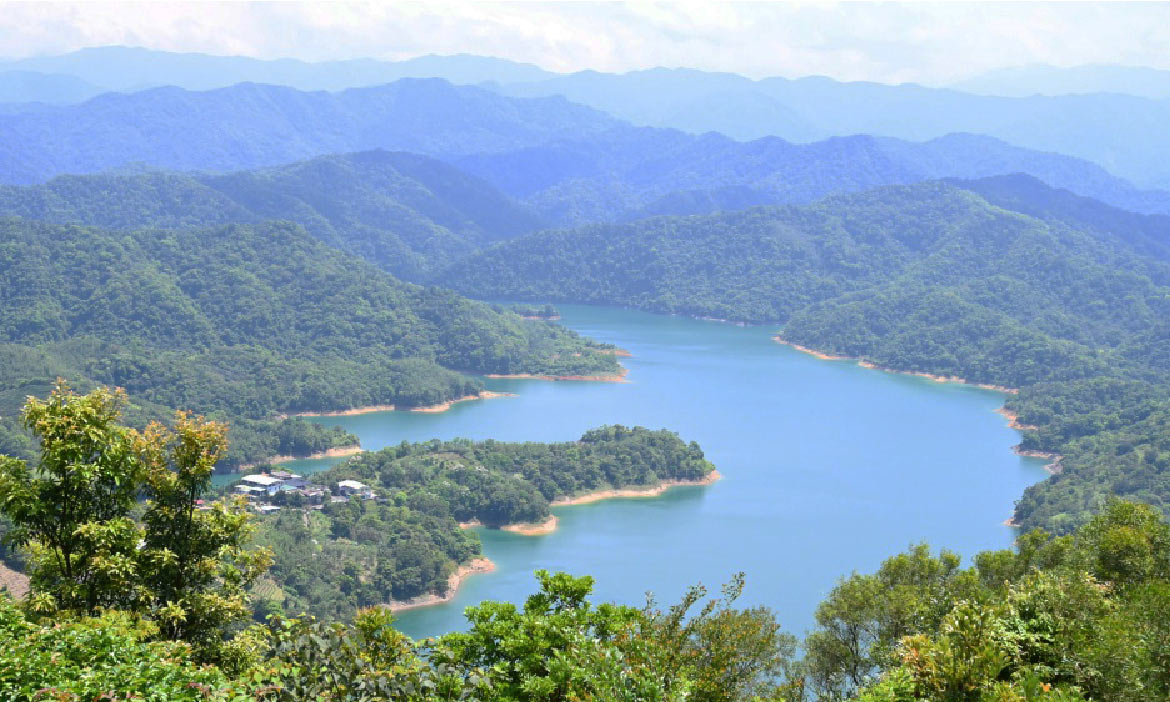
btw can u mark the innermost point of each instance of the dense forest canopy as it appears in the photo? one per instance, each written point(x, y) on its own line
point(361, 553)
point(1002, 281)
point(404, 213)
point(251, 125)
point(249, 321)
point(628, 173)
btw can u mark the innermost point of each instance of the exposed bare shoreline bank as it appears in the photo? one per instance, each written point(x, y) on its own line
point(619, 377)
point(330, 453)
point(473, 567)
point(440, 407)
point(444, 406)
point(654, 491)
point(549, 525)
point(866, 364)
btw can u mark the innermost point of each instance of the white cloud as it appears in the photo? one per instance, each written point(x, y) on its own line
point(925, 42)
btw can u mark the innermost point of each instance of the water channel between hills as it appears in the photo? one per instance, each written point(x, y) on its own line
point(828, 467)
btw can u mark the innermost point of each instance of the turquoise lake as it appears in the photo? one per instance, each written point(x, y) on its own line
point(828, 467)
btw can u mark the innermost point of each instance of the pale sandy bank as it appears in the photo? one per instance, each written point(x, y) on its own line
point(654, 491)
point(619, 377)
point(473, 567)
point(330, 453)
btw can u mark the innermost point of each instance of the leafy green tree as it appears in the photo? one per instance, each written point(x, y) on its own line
point(196, 562)
point(70, 513)
point(187, 568)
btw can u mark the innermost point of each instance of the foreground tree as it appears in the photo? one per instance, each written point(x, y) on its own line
point(73, 514)
point(70, 513)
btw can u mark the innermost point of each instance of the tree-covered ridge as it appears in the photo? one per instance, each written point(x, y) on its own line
point(629, 173)
point(1067, 303)
point(248, 321)
point(250, 126)
point(361, 553)
point(400, 211)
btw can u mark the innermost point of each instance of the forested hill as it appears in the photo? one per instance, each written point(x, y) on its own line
point(1070, 306)
point(629, 173)
point(401, 211)
point(246, 321)
point(334, 561)
point(1120, 132)
point(250, 125)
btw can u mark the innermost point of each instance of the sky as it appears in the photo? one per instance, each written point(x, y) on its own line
point(931, 43)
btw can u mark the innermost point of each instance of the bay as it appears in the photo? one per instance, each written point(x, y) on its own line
point(828, 468)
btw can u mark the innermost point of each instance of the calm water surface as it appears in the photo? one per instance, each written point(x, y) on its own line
point(828, 468)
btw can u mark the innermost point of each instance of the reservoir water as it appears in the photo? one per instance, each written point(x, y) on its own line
point(828, 468)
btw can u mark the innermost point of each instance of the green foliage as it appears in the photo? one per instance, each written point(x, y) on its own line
point(1002, 281)
point(74, 518)
point(356, 554)
point(90, 658)
point(402, 212)
point(1068, 618)
point(71, 512)
point(244, 322)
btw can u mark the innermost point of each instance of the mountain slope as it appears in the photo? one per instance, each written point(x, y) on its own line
point(1122, 133)
point(1067, 302)
point(403, 212)
point(630, 172)
point(248, 322)
point(249, 125)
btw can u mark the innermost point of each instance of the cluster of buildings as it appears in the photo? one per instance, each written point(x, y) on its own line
point(267, 492)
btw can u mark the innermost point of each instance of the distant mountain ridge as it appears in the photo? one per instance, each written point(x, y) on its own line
point(632, 172)
point(1022, 81)
point(571, 164)
point(1122, 133)
point(249, 126)
point(125, 68)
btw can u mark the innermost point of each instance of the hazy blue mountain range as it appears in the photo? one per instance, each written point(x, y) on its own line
point(1123, 133)
point(1022, 81)
point(570, 163)
point(250, 125)
point(125, 68)
point(400, 211)
point(632, 172)
point(31, 86)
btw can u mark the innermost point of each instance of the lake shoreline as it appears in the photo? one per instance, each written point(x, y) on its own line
point(444, 406)
point(370, 409)
point(14, 581)
point(619, 377)
point(476, 566)
point(1053, 467)
point(328, 453)
point(873, 366)
point(549, 525)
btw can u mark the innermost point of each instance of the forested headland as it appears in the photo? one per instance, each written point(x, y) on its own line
point(408, 542)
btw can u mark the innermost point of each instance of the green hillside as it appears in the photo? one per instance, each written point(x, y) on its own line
point(404, 213)
point(246, 321)
point(1068, 305)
